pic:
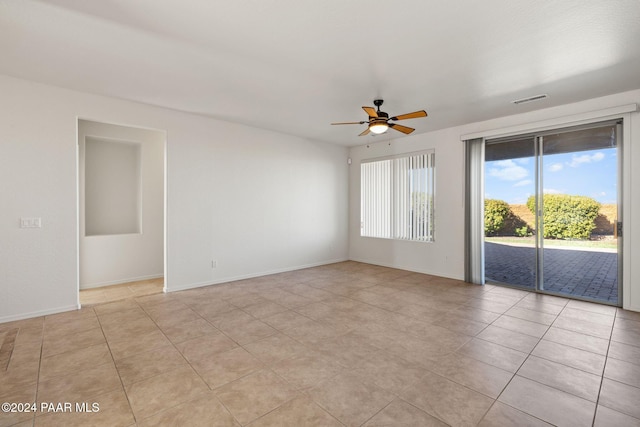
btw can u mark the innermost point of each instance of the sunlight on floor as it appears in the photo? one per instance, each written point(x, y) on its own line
point(119, 292)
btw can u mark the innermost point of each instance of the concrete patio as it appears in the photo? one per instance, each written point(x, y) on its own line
point(583, 273)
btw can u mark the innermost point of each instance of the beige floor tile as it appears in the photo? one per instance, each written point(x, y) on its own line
point(388, 372)
point(501, 415)
point(461, 325)
point(205, 411)
point(301, 411)
point(264, 309)
point(531, 315)
point(176, 318)
point(448, 401)
point(578, 340)
point(401, 414)
point(349, 350)
point(627, 314)
point(200, 351)
point(74, 361)
point(166, 307)
point(58, 329)
point(624, 372)
point(148, 364)
point(306, 370)
point(584, 327)
point(248, 332)
point(628, 353)
point(486, 304)
point(570, 356)
point(539, 306)
point(587, 316)
point(275, 348)
point(547, 403)
point(562, 377)
point(110, 318)
point(121, 331)
point(76, 341)
point(606, 417)
point(188, 330)
point(628, 324)
point(93, 382)
point(228, 366)
point(113, 410)
point(514, 340)
point(255, 395)
point(314, 333)
point(626, 336)
point(475, 314)
point(19, 375)
point(494, 354)
point(592, 307)
point(527, 327)
point(113, 307)
point(152, 395)
point(620, 397)
point(211, 309)
point(143, 342)
point(476, 375)
point(350, 400)
point(18, 394)
point(286, 320)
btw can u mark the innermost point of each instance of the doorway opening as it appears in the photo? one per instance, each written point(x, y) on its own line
point(121, 211)
point(553, 212)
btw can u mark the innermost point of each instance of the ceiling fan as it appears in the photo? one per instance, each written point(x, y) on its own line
point(379, 120)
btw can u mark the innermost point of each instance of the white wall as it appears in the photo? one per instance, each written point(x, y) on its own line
point(256, 201)
point(445, 256)
point(122, 257)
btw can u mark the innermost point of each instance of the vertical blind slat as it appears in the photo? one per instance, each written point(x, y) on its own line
point(397, 197)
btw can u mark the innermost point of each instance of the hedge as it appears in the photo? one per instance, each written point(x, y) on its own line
point(495, 213)
point(567, 217)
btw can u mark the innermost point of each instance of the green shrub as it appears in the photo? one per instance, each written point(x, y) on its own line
point(495, 213)
point(567, 217)
point(523, 231)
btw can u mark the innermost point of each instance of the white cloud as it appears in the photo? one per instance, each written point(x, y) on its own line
point(585, 158)
point(508, 170)
point(555, 167)
point(522, 183)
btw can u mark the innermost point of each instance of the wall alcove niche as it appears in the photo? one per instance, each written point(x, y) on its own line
point(121, 204)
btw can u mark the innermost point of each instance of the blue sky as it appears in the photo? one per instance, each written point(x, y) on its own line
point(586, 173)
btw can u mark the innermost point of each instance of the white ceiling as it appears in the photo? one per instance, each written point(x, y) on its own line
point(294, 66)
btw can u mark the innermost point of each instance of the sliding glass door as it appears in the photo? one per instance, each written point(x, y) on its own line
point(552, 212)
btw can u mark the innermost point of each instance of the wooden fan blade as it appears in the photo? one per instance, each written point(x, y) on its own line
point(349, 123)
point(370, 111)
point(364, 132)
point(413, 115)
point(403, 129)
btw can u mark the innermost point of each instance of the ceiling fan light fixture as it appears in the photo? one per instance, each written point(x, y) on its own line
point(378, 128)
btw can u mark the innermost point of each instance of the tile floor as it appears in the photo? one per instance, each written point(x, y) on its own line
point(347, 344)
point(119, 292)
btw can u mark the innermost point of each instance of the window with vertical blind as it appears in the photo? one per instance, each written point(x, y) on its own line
point(397, 197)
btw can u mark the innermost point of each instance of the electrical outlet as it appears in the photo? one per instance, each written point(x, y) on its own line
point(214, 264)
point(30, 223)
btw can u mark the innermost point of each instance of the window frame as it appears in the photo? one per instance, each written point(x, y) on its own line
point(400, 205)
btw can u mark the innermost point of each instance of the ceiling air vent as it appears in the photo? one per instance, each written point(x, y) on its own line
point(530, 99)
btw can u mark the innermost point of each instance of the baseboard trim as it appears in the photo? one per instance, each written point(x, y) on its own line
point(169, 288)
point(120, 281)
point(401, 267)
point(47, 312)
